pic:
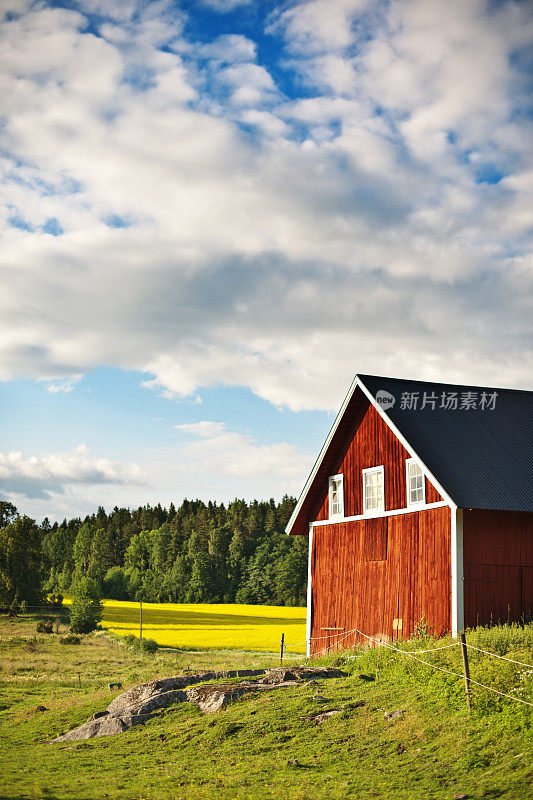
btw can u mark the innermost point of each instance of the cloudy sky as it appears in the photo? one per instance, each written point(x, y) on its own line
point(214, 212)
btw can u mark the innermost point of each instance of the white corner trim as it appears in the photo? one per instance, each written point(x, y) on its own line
point(374, 515)
point(309, 614)
point(458, 601)
point(405, 443)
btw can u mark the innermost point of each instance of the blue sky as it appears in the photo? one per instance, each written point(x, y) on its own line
point(213, 213)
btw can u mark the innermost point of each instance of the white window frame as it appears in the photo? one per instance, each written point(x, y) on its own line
point(421, 502)
point(380, 470)
point(339, 514)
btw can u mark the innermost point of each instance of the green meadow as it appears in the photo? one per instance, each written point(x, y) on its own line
point(268, 746)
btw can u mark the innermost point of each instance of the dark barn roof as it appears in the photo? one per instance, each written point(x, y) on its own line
point(482, 457)
point(480, 453)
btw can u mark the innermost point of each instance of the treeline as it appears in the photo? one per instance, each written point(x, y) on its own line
point(195, 553)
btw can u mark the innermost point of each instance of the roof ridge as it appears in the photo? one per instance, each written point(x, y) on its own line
point(363, 375)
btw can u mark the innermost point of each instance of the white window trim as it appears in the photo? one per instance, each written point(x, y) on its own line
point(392, 513)
point(408, 488)
point(340, 477)
point(374, 511)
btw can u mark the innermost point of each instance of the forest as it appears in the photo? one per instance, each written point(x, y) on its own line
point(198, 552)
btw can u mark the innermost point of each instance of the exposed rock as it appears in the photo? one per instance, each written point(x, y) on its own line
point(398, 714)
point(105, 725)
point(210, 698)
point(144, 692)
point(320, 718)
point(140, 694)
point(280, 675)
point(309, 673)
point(141, 702)
point(162, 700)
point(319, 698)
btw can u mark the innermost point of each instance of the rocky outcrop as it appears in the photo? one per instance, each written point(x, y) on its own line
point(136, 705)
point(104, 725)
point(281, 675)
point(141, 694)
point(211, 698)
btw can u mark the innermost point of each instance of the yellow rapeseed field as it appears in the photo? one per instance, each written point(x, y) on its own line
point(210, 625)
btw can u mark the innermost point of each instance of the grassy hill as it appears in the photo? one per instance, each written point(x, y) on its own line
point(269, 746)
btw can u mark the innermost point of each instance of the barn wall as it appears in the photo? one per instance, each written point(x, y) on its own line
point(368, 573)
point(498, 566)
point(369, 443)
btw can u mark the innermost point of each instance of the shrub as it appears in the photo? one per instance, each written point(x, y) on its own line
point(422, 629)
point(45, 626)
point(86, 609)
point(150, 645)
point(24, 607)
point(503, 638)
point(70, 639)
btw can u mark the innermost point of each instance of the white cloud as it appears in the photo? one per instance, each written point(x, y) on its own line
point(350, 234)
point(318, 25)
point(210, 461)
point(250, 84)
point(63, 387)
point(228, 48)
point(217, 450)
point(43, 477)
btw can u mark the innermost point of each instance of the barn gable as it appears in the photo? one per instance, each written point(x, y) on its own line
point(369, 442)
point(474, 443)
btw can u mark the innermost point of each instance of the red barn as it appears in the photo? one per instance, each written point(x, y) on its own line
point(419, 507)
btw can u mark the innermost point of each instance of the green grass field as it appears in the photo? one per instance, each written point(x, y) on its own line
point(267, 746)
point(210, 626)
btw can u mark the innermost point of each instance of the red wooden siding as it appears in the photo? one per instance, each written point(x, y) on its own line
point(432, 496)
point(498, 566)
point(368, 573)
point(368, 442)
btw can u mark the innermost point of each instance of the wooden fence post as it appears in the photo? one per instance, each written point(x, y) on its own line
point(281, 649)
point(466, 669)
point(141, 626)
